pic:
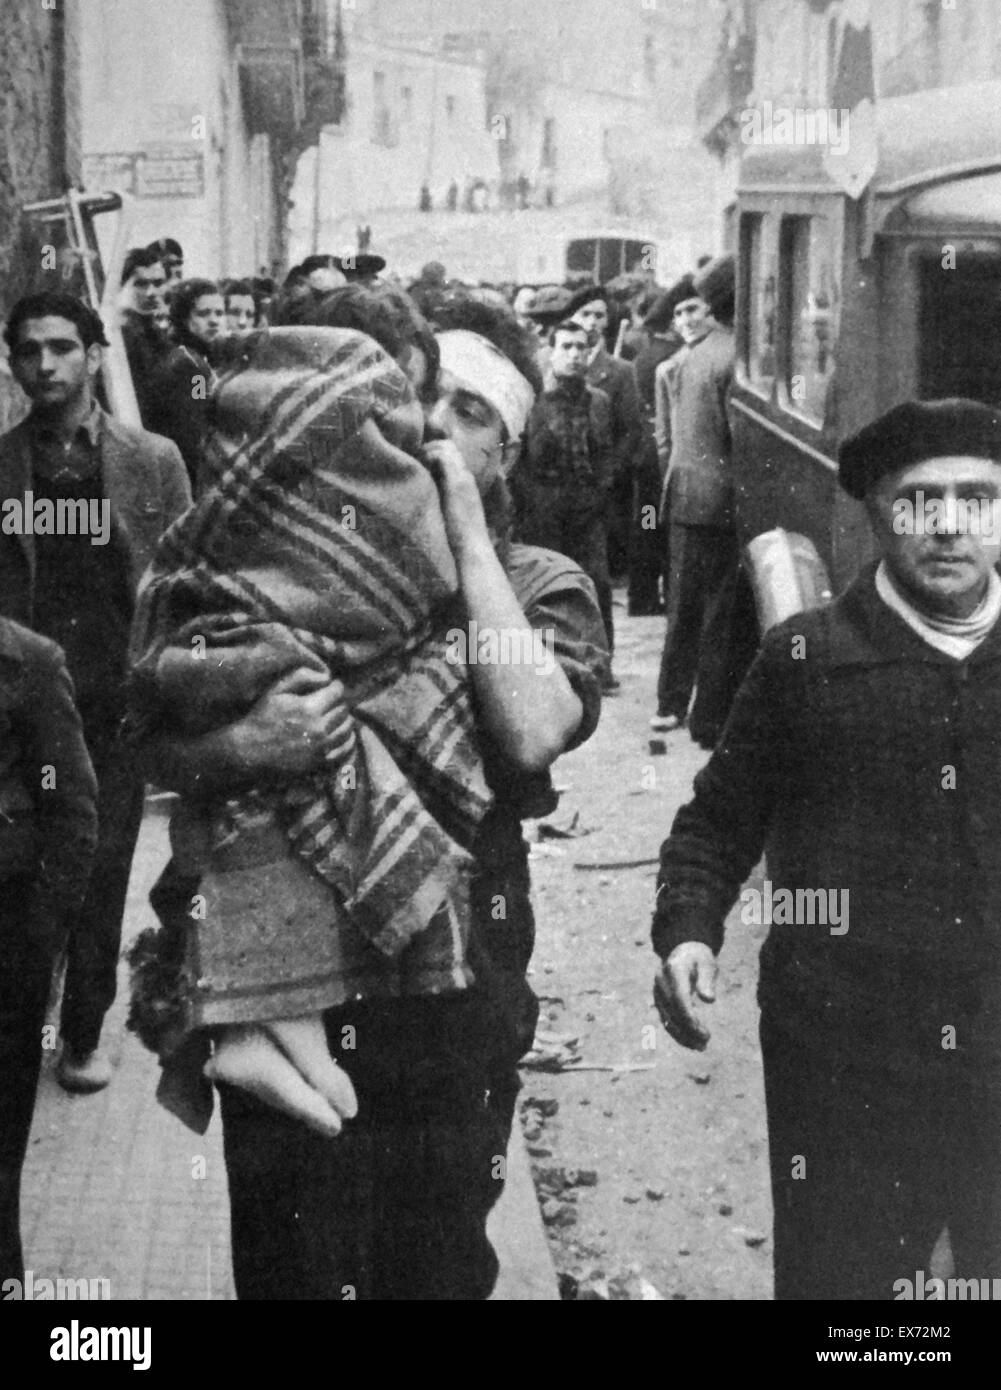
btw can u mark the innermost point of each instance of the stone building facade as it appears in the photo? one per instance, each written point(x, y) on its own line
point(40, 153)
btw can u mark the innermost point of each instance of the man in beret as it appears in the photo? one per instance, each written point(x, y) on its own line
point(863, 756)
point(711, 629)
point(591, 308)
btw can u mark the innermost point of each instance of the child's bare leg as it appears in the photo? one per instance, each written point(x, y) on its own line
point(250, 1058)
point(304, 1042)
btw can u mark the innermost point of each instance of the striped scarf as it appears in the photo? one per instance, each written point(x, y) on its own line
point(319, 541)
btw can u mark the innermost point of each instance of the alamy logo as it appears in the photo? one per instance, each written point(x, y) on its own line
point(934, 1290)
point(32, 1290)
point(797, 125)
point(65, 516)
point(487, 646)
point(800, 907)
point(947, 516)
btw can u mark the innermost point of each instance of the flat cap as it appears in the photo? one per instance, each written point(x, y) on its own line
point(716, 282)
point(551, 303)
point(913, 432)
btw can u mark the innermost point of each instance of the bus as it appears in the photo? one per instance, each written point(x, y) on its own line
point(845, 308)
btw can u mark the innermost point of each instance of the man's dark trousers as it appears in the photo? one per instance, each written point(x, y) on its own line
point(867, 1169)
point(645, 547)
point(394, 1208)
point(25, 972)
point(551, 515)
point(95, 934)
point(710, 632)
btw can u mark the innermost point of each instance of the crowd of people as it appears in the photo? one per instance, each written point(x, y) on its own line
point(335, 477)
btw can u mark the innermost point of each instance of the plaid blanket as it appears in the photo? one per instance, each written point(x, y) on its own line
point(319, 541)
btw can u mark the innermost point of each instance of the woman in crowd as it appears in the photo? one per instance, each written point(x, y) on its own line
point(183, 383)
point(241, 306)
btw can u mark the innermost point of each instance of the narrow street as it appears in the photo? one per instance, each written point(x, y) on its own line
point(670, 1163)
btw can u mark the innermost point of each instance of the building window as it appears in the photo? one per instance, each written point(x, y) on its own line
point(807, 314)
point(385, 127)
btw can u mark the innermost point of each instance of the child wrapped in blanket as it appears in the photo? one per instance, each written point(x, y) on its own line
point(317, 551)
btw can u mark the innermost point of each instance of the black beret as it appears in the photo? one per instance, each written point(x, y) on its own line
point(716, 281)
point(359, 263)
point(661, 316)
point(913, 432)
point(587, 296)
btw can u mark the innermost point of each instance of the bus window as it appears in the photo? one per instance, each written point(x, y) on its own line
point(581, 255)
point(959, 350)
point(758, 311)
point(808, 304)
point(609, 260)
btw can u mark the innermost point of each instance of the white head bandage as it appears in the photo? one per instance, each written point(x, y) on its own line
point(480, 367)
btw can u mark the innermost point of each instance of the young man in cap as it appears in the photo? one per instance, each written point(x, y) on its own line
point(711, 629)
point(144, 283)
point(591, 307)
point(688, 318)
point(862, 757)
point(564, 478)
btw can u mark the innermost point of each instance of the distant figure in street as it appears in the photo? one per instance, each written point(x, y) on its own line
point(591, 307)
point(862, 758)
point(711, 624)
point(79, 590)
point(647, 542)
point(48, 831)
point(428, 291)
point(523, 304)
point(564, 478)
point(171, 256)
point(144, 280)
point(425, 203)
point(452, 197)
point(183, 383)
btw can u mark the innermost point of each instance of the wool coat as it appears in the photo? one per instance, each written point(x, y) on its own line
point(860, 760)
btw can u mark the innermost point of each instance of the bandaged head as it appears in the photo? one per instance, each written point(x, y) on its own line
point(478, 366)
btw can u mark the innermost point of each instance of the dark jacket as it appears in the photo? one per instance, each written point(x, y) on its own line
point(146, 348)
point(144, 480)
point(700, 473)
point(48, 794)
point(618, 381)
point(862, 759)
point(179, 403)
point(544, 457)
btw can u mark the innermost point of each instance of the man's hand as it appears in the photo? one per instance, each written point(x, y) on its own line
point(688, 973)
point(299, 726)
point(461, 505)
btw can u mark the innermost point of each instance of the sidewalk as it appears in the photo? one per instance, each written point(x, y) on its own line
point(116, 1188)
